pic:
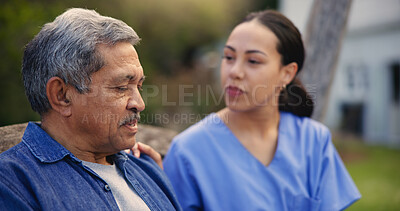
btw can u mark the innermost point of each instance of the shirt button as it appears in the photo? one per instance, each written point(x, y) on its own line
point(107, 187)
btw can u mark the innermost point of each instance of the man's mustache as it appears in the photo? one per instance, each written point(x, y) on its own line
point(130, 118)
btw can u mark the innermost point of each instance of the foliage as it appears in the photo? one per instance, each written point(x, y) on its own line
point(172, 33)
point(375, 171)
point(19, 21)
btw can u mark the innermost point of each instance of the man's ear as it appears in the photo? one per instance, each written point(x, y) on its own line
point(56, 91)
point(289, 72)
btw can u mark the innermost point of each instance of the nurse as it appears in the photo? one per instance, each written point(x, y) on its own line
point(261, 152)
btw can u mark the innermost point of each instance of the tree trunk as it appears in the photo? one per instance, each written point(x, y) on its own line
point(323, 37)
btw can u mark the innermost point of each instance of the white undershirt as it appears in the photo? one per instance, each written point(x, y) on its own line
point(124, 194)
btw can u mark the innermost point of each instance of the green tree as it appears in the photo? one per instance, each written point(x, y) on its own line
point(172, 33)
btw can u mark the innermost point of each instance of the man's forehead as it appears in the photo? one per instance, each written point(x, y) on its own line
point(119, 48)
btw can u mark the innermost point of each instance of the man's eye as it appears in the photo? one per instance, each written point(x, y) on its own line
point(122, 88)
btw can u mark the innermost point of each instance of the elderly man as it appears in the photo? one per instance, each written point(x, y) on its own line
point(83, 76)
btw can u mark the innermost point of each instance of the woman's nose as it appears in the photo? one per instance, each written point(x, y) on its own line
point(236, 71)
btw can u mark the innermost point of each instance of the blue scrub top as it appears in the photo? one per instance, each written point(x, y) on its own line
point(211, 170)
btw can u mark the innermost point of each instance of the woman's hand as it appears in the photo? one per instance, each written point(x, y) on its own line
point(146, 149)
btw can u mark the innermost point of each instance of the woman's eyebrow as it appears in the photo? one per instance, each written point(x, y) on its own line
point(255, 51)
point(247, 52)
point(230, 47)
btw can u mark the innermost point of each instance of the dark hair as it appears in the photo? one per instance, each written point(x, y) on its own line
point(294, 98)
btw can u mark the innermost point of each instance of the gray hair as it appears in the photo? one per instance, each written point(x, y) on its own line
point(66, 48)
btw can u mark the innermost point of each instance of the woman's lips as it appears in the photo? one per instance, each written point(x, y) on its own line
point(233, 91)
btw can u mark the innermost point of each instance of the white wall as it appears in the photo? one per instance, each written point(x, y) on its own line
point(371, 44)
point(297, 11)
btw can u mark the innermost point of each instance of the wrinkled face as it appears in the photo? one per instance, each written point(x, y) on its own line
point(250, 69)
point(105, 116)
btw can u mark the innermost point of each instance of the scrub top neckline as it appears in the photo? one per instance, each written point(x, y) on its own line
point(243, 148)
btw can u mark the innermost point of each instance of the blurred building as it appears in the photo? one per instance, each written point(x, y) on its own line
point(365, 93)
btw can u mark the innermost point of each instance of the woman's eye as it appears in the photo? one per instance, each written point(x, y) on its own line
point(253, 61)
point(228, 57)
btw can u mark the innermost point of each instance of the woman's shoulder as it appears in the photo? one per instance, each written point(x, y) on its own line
point(304, 127)
point(199, 131)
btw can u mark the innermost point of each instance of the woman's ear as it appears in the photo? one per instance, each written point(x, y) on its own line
point(289, 72)
point(56, 91)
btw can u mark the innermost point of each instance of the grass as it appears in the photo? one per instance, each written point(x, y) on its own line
point(376, 172)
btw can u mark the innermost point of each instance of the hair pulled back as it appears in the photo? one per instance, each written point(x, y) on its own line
point(294, 98)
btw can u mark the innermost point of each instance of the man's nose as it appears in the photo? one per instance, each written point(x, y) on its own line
point(136, 102)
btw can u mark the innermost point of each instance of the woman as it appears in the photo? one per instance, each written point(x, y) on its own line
point(261, 152)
